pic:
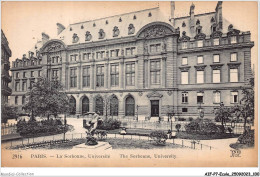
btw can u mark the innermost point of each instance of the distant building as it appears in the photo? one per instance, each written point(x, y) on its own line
point(141, 60)
point(6, 53)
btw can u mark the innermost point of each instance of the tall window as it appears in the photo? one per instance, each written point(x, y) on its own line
point(200, 59)
point(184, 77)
point(233, 75)
point(114, 53)
point(100, 76)
point(24, 74)
point(233, 57)
point(200, 43)
point(24, 85)
point(216, 41)
point(184, 97)
point(86, 56)
point(130, 74)
point(55, 74)
point(216, 97)
point(17, 75)
point(216, 76)
point(114, 74)
point(99, 105)
point(200, 77)
point(200, 97)
point(86, 76)
point(32, 73)
point(23, 99)
point(155, 48)
point(234, 97)
point(72, 104)
point(85, 105)
point(184, 61)
point(130, 51)
point(233, 39)
point(155, 72)
point(129, 106)
point(100, 54)
point(17, 86)
point(73, 77)
point(114, 106)
point(39, 73)
point(216, 58)
point(16, 100)
point(74, 57)
point(184, 45)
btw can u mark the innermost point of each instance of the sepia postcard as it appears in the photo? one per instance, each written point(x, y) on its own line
point(129, 84)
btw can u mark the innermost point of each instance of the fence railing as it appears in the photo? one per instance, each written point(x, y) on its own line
point(7, 129)
point(34, 141)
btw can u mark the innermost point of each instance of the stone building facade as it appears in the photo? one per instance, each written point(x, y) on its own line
point(143, 63)
point(6, 53)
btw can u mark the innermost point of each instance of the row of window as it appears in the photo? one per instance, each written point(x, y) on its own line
point(216, 59)
point(32, 74)
point(20, 63)
point(200, 43)
point(216, 97)
point(216, 76)
point(24, 85)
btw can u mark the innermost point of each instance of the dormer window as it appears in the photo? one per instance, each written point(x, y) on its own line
point(183, 24)
point(106, 22)
point(134, 17)
point(101, 34)
point(70, 29)
point(198, 31)
point(216, 41)
point(150, 14)
point(212, 20)
point(184, 45)
point(94, 24)
point(120, 19)
point(198, 22)
point(200, 43)
point(75, 38)
point(116, 31)
point(82, 27)
point(131, 29)
point(233, 39)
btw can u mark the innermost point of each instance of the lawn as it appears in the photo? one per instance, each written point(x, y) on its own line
point(196, 136)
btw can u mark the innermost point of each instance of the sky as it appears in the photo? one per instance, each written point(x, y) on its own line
point(23, 22)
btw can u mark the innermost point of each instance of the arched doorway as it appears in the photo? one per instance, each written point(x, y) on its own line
point(130, 106)
point(99, 105)
point(113, 106)
point(72, 105)
point(85, 105)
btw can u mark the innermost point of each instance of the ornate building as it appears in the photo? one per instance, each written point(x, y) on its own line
point(6, 53)
point(143, 63)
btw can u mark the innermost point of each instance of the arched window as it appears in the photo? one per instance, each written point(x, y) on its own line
point(99, 105)
point(85, 105)
point(129, 106)
point(23, 99)
point(113, 106)
point(72, 105)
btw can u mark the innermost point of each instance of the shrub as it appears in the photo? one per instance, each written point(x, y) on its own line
point(181, 119)
point(190, 119)
point(202, 127)
point(247, 137)
point(159, 137)
point(192, 127)
point(109, 124)
point(230, 130)
point(178, 127)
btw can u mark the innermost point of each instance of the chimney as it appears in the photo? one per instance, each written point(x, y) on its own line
point(172, 13)
point(45, 37)
point(192, 18)
point(60, 28)
point(219, 18)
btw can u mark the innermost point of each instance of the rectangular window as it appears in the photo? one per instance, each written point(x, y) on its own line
point(216, 58)
point(114, 75)
point(233, 75)
point(200, 77)
point(155, 48)
point(184, 45)
point(130, 51)
point(233, 39)
point(85, 56)
point(234, 97)
point(24, 85)
point(32, 73)
point(184, 97)
point(73, 77)
point(216, 97)
point(185, 77)
point(130, 74)
point(200, 59)
point(233, 57)
point(216, 76)
point(200, 43)
point(17, 86)
point(31, 83)
point(100, 76)
point(216, 41)
point(24, 74)
point(17, 75)
point(200, 97)
point(113, 53)
point(53, 59)
point(39, 73)
point(55, 74)
point(155, 72)
point(73, 57)
point(184, 109)
point(86, 76)
point(184, 61)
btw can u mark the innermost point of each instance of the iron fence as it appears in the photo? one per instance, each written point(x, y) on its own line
point(7, 129)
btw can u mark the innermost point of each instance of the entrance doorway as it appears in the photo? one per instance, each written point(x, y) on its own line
point(154, 108)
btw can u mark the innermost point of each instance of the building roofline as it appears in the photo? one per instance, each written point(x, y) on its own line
point(208, 13)
point(114, 16)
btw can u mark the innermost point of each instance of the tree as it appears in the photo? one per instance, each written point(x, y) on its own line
point(8, 112)
point(47, 98)
point(222, 114)
point(246, 107)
